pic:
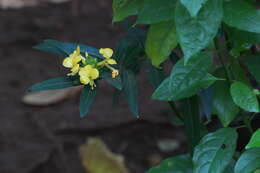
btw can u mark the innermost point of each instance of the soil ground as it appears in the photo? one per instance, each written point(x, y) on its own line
point(46, 139)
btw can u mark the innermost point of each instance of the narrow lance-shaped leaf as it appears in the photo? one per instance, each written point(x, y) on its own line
point(87, 98)
point(55, 83)
point(249, 161)
point(215, 151)
point(161, 40)
point(255, 140)
point(116, 82)
point(193, 6)
point(253, 64)
point(179, 164)
point(196, 34)
point(240, 14)
point(244, 97)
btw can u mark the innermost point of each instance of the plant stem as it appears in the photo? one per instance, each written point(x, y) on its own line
point(175, 110)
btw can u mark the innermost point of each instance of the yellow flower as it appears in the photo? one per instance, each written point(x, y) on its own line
point(115, 73)
point(72, 61)
point(88, 74)
point(107, 54)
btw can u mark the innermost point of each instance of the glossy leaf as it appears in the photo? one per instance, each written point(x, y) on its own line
point(197, 33)
point(55, 83)
point(255, 140)
point(130, 89)
point(155, 11)
point(125, 8)
point(223, 104)
point(65, 49)
point(186, 80)
point(193, 6)
point(206, 99)
point(244, 97)
point(243, 36)
point(215, 151)
point(253, 64)
point(161, 40)
point(179, 164)
point(249, 161)
point(116, 82)
point(87, 98)
point(240, 14)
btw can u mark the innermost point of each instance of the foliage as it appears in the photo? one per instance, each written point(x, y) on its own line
point(211, 44)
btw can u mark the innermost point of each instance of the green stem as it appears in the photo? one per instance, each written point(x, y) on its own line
point(175, 110)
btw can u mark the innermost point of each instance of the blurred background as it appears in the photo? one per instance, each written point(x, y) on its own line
point(46, 139)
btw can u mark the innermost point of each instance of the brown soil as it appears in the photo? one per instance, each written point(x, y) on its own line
point(46, 139)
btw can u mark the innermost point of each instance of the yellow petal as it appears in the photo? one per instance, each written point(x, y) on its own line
point(115, 73)
point(111, 61)
point(76, 59)
point(106, 52)
point(67, 62)
point(75, 69)
point(78, 50)
point(94, 73)
point(84, 80)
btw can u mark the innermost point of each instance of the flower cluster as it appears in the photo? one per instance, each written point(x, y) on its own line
point(87, 67)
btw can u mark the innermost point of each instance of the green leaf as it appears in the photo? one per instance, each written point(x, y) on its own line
point(125, 8)
point(185, 80)
point(253, 64)
point(87, 98)
point(179, 164)
point(254, 141)
point(197, 33)
point(244, 97)
point(155, 11)
point(65, 49)
point(193, 6)
point(243, 36)
point(116, 82)
point(240, 14)
point(55, 83)
point(130, 89)
point(223, 104)
point(155, 76)
point(161, 40)
point(249, 161)
point(214, 152)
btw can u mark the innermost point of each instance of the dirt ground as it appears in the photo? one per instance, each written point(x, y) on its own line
point(46, 139)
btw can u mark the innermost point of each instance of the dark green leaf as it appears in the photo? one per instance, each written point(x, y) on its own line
point(214, 152)
point(193, 6)
point(161, 40)
point(87, 98)
point(223, 104)
point(240, 14)
point(155, 11)
point(249, 161)
point(206, 99)
point(186, 80)
point(125, 8)
point(116, 82)
point(253, 64)
point(197, 33)
point(155, 76)
point(244, 97)
point(65, 49)
point(179, 164)
point(254, 141)
point(243, 36)
point(130, 89)
point(55, 83)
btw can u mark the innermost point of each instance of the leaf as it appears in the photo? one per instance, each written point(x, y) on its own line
point(161, 40)
point(223, 104)
point(116, 82)
point(155, 11)
point(65, 49)
point(193, 6)
point(197, 33)
point(253, 63)
point(249, 161)
point(55, 83)
point(130, 90)
point(240, 14)
point(206, 99)
point(214, 152)
point(125, 8)
point(254, 141)
point(179, 164)
point(155, 75)
point(243, 36)
point(87, 98)
point(97, 158)
point(244, 97)
point(185, 80)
